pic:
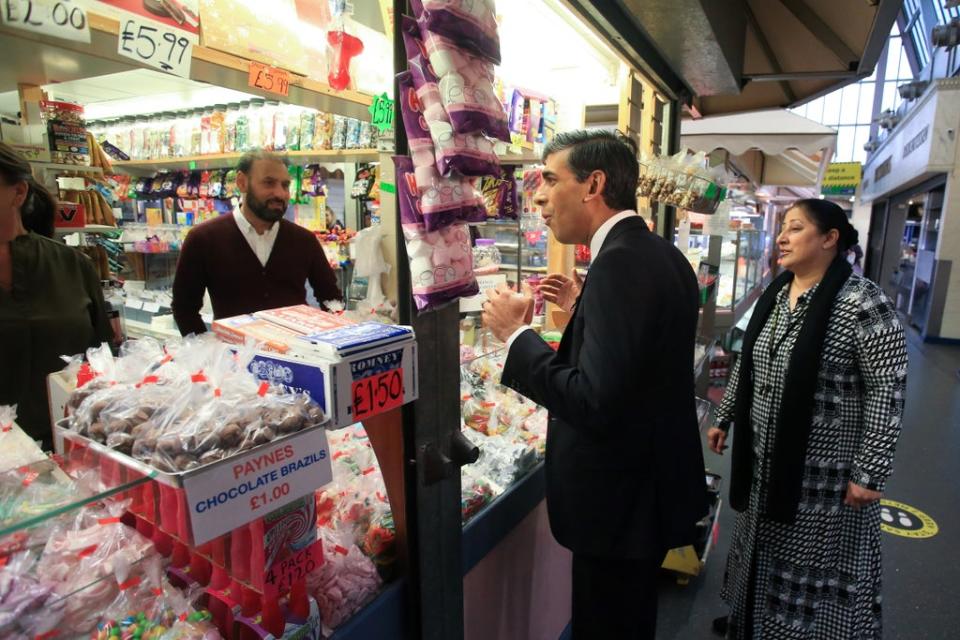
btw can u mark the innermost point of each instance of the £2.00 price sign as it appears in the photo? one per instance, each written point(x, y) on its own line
point(377, 393)
point(155, 45)
point(269, 79)
point(58, 18)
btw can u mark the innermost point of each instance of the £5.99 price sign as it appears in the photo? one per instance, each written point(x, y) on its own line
point(269, 79)
point(58, 18)
point(156, 45)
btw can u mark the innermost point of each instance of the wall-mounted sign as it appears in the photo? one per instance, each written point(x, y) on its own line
point(156, 46)
point(841, 179)
point(916, 141)
point(883, 169)
point(57, 18)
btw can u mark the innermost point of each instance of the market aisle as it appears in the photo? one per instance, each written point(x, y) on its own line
point(920, 575)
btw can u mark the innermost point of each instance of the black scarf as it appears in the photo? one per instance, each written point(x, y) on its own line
point(797, 401)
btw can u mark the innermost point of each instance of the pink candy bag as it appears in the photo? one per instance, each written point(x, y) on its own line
point(464, 83)
point(442, 201)
point(441, 261)
point(470, 154)
point(472, 24)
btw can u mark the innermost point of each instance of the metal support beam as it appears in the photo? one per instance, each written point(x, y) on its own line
point(804, 75)
point(768, 52)
point(667, 220)
point(822, 32)
point(882, 23)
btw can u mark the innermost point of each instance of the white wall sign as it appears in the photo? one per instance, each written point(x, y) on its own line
point(475, 303)
point(923, 144)
point(155, 45)
point(56, 18)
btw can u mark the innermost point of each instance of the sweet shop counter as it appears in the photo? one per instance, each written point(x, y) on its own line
point(103, 539)
point(509, 430)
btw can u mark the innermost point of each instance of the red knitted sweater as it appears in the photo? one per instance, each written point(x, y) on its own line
point(216, 257)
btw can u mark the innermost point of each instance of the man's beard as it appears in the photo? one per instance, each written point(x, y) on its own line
point(262, 208)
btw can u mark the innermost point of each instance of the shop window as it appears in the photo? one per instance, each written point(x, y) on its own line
point(945, 14)
point(865, 107)
point(860, 138)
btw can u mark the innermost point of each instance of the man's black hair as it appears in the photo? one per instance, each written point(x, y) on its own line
point(600, 150)
point(247, 160)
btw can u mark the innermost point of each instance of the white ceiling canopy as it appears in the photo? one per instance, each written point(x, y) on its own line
point(771, 147)
point(772, 131)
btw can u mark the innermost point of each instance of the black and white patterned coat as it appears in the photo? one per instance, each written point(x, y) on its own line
point(819, 578)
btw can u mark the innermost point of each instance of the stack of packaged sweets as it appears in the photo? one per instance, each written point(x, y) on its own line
point(452, 116)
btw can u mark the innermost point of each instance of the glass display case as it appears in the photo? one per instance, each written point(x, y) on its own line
point(523, 251)
point(509, 429)
point(744, 266)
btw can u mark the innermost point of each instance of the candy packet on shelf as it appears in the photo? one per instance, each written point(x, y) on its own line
point(345, 582)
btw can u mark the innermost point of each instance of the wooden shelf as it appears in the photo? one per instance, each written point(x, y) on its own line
point(229, 160)
point(90, 228)
point(30, 59)
point(67, 168)
point(527, 157)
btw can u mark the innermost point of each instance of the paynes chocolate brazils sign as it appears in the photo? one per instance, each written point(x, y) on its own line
point(250, 486)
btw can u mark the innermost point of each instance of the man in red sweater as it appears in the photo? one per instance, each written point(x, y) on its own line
point(253, 259)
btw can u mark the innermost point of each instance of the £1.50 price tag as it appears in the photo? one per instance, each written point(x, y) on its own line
point(284, 573)
point(377, 393)
point(269, 79)
point(58, 18)
point(155, 45)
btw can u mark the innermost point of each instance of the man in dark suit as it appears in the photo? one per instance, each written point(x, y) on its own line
point(625, 475)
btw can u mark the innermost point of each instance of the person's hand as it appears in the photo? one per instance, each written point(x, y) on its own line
point(505, 311)
point(858, 497)
point(561, 290)
point(716, 439)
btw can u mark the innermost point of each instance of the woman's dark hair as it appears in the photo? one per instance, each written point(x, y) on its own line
point(40, 207)
point(827, 215)
point(600, 150)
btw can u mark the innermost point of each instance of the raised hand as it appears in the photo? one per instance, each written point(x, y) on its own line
point(562, 290)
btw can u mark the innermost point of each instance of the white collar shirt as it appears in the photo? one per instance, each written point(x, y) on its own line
point(260, 243)
point(596, 242)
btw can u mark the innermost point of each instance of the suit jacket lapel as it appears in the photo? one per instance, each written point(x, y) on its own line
point(568, 331)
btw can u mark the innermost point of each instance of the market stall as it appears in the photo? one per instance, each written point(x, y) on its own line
point(138, 121)
point(767, 150)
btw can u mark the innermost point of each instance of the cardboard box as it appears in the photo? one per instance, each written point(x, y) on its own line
point(70, 215)
point(339, 386)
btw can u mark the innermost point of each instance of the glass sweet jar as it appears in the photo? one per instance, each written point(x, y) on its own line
point(486, 256)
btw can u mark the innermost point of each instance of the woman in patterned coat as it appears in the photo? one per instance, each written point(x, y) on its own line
point(817, 398)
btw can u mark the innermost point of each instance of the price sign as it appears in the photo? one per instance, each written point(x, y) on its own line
point(377, 393)
point(153, 44)
point(57, 18)
point(381, 112)
point(252, 485)
point(269, 79)
point(285, 572)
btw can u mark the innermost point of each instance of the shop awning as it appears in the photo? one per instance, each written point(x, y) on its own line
point(771, 147)
point(744, 55)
